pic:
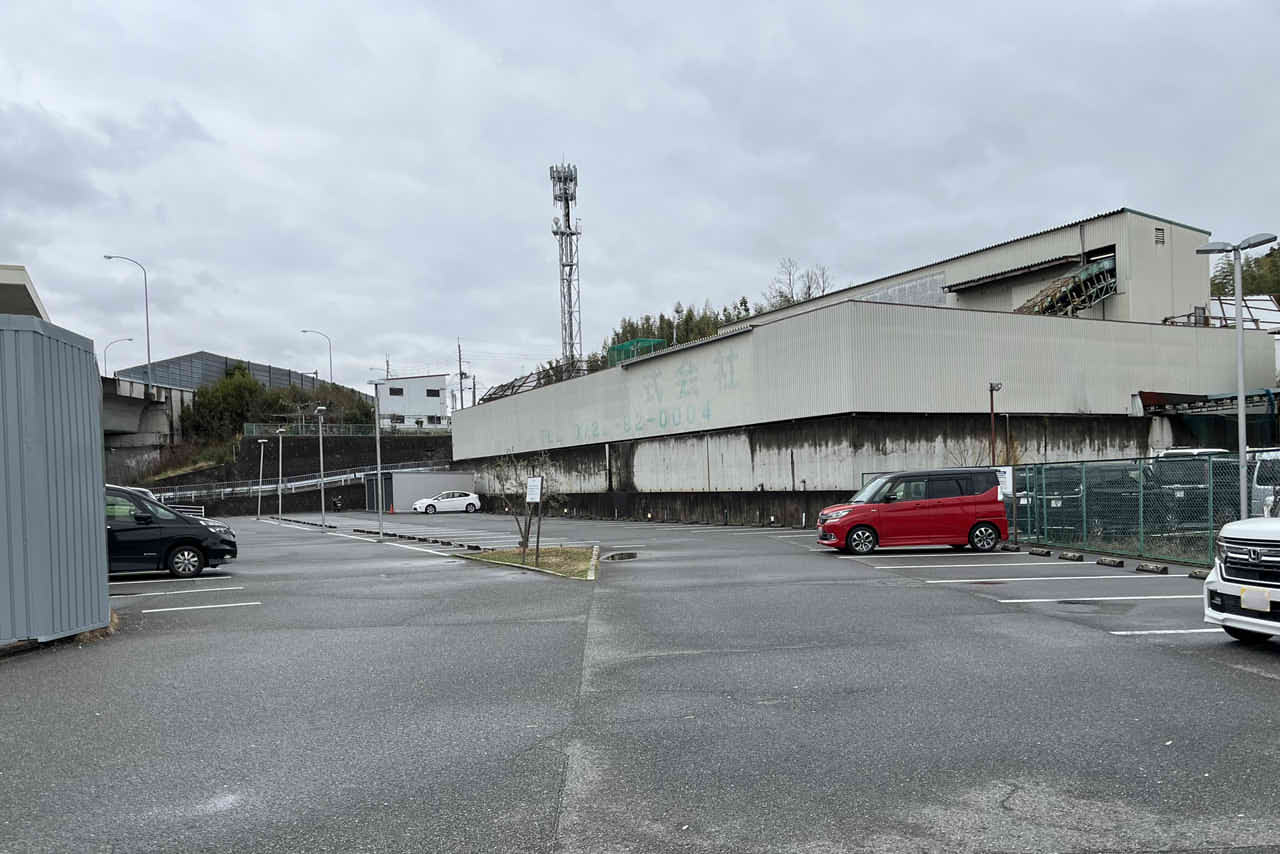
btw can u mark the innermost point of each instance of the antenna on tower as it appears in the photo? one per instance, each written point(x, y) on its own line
point(564, 192)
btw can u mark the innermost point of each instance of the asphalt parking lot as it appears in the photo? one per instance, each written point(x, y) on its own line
point(730, 689)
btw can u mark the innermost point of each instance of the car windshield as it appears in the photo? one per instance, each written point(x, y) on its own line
point(1188, 470)
point(1269, 472)
point(864, 495)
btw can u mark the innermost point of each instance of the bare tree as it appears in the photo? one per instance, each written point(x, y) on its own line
point(814, 282)
point(782, 290)
point(510, 477)
point(791, 285)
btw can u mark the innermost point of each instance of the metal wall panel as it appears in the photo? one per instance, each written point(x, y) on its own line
point(53, 550)
point(859, 356)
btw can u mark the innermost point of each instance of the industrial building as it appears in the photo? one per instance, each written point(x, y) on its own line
point(193, 370)
point(812, 398)
point(413, 402)
point(1119, 265)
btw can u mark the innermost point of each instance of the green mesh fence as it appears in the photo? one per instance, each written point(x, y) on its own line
point(1164, 508)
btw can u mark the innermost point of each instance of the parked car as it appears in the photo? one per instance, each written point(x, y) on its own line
point(144, 535)
point(1119, 495)
point(1055, 501)
point(448, 502)
point(1264, 483)
point(1184, 477)
point(1240, 590)
point(953, 507)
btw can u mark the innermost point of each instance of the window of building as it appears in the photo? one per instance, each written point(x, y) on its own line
point(433, 392)
point(433, 419)
point(395, 391)
point(397, 419)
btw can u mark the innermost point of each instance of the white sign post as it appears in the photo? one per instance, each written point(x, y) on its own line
point(533, 495)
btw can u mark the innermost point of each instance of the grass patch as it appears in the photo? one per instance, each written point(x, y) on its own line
point(572, 561)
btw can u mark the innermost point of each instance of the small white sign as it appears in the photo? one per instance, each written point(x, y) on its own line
point(533, 490)
point(1004, 474)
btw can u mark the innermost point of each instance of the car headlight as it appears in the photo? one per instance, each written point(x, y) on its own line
point(1220, 550)
point(838, 514)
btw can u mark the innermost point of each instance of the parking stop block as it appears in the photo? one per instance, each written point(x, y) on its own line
point(1157, 568)
point(1010, 547)
point(1070, 556)
point(1040, 552)
point(1109, 561)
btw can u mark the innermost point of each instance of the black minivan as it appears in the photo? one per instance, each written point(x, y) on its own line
point(144, 535)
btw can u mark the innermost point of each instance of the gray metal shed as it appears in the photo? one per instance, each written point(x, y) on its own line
point(53, 541)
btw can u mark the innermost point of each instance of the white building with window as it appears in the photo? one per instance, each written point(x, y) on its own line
point(411, 402)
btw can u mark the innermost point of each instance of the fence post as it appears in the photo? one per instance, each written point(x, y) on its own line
point(1084, 513)
point(1142, 507)
point(1210, 508)
point(1044, 507)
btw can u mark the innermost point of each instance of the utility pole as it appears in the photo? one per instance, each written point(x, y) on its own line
point(388, 366)
point(462, 375)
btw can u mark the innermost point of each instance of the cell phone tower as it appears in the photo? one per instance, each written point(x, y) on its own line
point(564, 192)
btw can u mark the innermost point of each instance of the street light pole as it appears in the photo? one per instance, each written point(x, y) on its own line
point(320, 411)
point(262, 455)
point(1219, 248)
point(146, 309)
point(992, 388)
point(280, 472)
point(104, 354)
point(377, 446)
point(328, 339)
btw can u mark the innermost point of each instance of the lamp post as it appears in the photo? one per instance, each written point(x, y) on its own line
point(104, 354)
point(320, 411)
point(326, 338)
point(262, 454)
point(1218, 248)
point(377, 448)
point(146, 309)
point(992, 388)
point(280, 431)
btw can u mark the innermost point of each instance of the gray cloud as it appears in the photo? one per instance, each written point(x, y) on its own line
point(380, 171)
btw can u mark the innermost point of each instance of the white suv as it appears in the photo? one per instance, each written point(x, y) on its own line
point(1245, 581)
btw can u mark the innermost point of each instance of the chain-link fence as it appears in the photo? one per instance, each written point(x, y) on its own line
point(1168, 507)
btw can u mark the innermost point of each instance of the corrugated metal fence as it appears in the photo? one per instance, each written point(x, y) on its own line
point(53, 551)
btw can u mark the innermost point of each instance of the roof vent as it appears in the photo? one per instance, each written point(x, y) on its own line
point(1159, 235)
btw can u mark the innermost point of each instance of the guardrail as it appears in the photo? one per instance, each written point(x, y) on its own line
point(311, 429)
point(296, 483)
point(188, 509)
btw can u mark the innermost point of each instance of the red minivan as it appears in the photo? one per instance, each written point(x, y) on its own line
point(948, 507)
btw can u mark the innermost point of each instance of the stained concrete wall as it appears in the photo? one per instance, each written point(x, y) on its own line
point(786, 464)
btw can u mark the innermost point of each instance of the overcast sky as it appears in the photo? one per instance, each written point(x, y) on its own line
point(378, 170)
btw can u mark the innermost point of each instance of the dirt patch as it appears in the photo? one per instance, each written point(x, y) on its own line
point(99, 634)
point(571, 561)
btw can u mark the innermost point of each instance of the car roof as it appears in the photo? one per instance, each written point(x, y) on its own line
point(938, 472)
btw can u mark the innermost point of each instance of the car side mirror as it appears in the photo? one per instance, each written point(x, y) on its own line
point(888, 499)
point(143, 518)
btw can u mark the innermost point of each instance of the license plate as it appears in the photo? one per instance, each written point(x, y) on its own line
point(1024, 500)
point(1179, 493)
point(1255, 600)
point(1055, 502)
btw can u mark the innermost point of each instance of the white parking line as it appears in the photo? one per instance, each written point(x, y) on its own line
point(1102, 598)
point(786, 536)
point(199, 607)
point(167, 580)
point(1167, 632)
point(949, 553)
point(954, 565)
point(420, 549)
point(1047, 578)
point(175, 592)
point(352, 536)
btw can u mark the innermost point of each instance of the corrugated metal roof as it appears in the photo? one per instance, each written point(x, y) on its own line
point(1014, 271)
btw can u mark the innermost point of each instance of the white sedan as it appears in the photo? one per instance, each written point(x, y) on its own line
point(447, 502)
